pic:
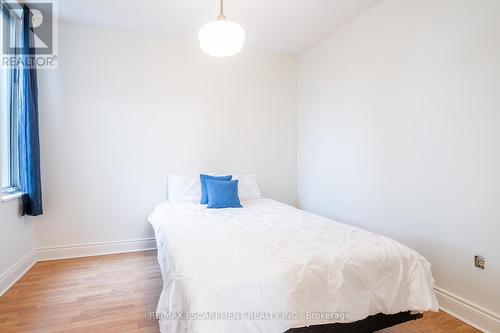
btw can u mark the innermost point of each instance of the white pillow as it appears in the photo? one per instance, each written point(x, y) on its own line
point(184, 188)
point(248, 188)
point(187, 188)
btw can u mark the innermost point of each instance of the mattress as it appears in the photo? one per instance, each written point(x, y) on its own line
point(269, 267)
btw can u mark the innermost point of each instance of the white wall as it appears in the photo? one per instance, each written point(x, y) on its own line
point(17, 242)
point(124, 110)
point(399, 132)
point(17, 239)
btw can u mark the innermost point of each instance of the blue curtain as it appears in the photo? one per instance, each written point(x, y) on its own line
point(27, 122)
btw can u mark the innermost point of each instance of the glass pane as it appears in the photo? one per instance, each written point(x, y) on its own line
point(8, 91)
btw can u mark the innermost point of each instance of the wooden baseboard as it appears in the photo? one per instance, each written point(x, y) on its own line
point(17, 271)
point(95, 249)
point(468, 312)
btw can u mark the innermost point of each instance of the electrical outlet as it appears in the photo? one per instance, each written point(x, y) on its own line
point(479, 262)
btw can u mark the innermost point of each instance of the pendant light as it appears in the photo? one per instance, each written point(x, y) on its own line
point(221, 38)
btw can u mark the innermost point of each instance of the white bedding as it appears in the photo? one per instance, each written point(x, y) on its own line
point(269, 267)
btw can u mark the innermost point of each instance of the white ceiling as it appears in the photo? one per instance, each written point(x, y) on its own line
point(289, 26)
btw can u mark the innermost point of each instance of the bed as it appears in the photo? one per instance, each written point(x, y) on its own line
point(269, 267)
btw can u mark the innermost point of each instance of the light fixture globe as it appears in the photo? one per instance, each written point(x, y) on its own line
point(221, 38)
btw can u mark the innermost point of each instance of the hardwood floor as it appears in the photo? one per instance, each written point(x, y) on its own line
point(432, 322)
point(116, 293)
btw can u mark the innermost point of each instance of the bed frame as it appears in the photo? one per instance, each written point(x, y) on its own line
point(367, 325)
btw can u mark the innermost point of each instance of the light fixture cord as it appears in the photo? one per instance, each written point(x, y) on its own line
point(221, 14)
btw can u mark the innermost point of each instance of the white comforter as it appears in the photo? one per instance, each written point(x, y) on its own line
point(269, 267)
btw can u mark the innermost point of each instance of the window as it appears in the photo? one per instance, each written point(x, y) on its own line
point(8, 112)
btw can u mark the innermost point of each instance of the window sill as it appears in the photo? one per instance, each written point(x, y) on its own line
point(11, 196)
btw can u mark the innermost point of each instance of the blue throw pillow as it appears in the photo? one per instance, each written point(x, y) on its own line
point(223, 194)
point(203, 178)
